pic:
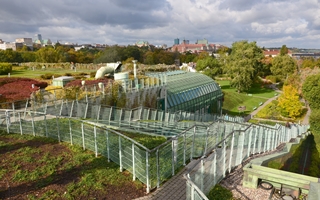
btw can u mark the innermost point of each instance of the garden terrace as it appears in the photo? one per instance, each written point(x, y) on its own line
point(231, 141)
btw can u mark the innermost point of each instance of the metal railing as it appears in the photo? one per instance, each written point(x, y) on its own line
point(231, 151)
point(230, 142)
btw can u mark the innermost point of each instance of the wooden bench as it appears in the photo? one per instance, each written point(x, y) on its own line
point(253, 174)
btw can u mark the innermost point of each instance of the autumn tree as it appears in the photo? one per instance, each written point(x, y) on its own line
point(283, 66)
point(47, 55)
point(243, 63)
point(289, 102)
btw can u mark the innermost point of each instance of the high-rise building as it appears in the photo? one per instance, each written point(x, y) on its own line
point(38, 37)
point(176, 41)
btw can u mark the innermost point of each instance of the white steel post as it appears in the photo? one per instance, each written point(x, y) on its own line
point(147, 172)
point(20, 123)
point(46, 125)
point(70, 132)
point(108, 149)
point(120, 154)
point(32, 122)
point(57, 121)
point(231, 152)
point(133, 163)
point(158, 168)
point(82, 131)
point(95, 140)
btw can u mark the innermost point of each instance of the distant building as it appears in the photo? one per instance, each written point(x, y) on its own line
point(38, 37)
point(25, 41)
point(204, 41)
point(274, 52)
point(10, 45)
point(38, 40)
point(142, 43)
point(176, 41)
point(200, 46)
point(306, 55)
point(271, 53)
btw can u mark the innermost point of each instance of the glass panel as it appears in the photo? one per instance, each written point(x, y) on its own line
point(170, 101)
point(177, 98)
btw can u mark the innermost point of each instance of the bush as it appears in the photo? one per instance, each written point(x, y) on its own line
point(48, 76)
point(16, 89)
point(219, 193)
point(5, 68)
point(92, 74)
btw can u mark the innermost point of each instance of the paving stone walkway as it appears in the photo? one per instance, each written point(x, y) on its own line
point(173, 189)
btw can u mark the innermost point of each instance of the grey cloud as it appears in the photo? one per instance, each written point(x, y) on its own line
point(126, 21)
point(238, 5)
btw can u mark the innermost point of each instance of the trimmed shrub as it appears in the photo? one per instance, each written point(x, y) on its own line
point(219, 193)
point(5, 68)
point(16, 89)
point(49, 76)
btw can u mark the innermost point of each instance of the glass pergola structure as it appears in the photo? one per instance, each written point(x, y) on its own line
point(189, 91)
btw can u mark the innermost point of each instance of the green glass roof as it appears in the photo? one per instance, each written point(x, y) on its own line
point(187, 90)
point(183, 81)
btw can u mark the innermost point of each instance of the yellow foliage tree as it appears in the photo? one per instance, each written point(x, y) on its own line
point(289, 102)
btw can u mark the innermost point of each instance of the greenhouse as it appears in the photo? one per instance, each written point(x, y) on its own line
point(188, 91)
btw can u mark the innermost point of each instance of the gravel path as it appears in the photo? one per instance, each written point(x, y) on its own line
point(233, 182)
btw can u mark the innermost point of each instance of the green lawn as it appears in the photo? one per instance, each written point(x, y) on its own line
point(233, 99)
point(256, 90)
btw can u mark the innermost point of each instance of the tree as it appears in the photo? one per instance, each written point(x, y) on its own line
point(311, 91)
point(187, 57)
point(9, 55)
point(283, 66)
point(243, 64)
point(149, 58)
point(289, 102)
point(314, 120)
point(47, 55)
point(110, 54)
point(209, 65)
point(310, 63)
point(284, 50)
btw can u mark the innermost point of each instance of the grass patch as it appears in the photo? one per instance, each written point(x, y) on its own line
point(146, 140)
point(219, 193)
point(257, 90)
point(252, 99)
point(296, 158)
point(232, 100)
point(60, 170)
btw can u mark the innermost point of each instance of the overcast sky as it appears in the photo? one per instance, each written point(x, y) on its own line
point(271, 23)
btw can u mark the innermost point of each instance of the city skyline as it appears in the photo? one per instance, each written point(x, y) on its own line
point(271, 23)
